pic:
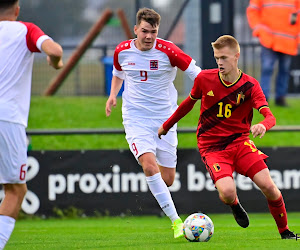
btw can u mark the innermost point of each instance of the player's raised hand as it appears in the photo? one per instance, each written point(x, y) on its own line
point(258, 129)
point(161, 132)
point(112, 101)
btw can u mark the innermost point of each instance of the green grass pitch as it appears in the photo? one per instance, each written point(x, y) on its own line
point(147, 232)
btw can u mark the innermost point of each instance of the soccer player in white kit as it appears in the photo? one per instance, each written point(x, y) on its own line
point(18, 41)
point(148, 67)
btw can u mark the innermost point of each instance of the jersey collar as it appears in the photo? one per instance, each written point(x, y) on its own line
point(229, 84)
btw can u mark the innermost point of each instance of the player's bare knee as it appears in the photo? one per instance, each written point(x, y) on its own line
point(150, 169)
point(228, 192)
point(227, 195)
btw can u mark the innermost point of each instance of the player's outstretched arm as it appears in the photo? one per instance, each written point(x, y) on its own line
point(54, 53)
point(184, 108)
point(116, 84)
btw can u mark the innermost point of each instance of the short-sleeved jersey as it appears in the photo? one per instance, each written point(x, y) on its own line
point(148, 76)
point(18, 41)
point(226, 109)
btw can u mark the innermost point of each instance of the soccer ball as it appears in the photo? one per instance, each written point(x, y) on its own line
point(198, 227)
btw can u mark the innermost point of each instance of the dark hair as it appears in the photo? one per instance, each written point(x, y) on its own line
point(148, 15)
point(4, 4)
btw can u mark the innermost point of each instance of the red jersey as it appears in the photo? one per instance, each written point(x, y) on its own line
point(226, 109)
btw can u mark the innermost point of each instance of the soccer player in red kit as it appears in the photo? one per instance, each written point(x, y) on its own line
point(228, 97)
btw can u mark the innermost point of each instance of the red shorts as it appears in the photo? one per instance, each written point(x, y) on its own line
point(240, 158)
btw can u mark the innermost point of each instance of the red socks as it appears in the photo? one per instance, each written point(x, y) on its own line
point(278, 211)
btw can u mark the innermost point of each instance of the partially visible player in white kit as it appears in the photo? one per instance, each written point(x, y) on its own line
point(148, 67)
point(18, 41)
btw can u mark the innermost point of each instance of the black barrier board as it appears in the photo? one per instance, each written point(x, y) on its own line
point(111, 182)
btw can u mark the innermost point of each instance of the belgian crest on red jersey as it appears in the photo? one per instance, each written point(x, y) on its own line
point(240, 97)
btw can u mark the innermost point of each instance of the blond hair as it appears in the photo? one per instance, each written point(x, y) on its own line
point(148, 15)
point(226, 41)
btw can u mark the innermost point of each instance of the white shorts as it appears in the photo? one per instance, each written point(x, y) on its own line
point(142, 137)
point(13, 153)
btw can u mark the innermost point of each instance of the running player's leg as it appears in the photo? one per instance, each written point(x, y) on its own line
point(251, 163)
point(13, 158)
point(142, 144)
point(260, 175)
point(14, 195)
point(168, 175)
point(220, 167)
point(166, 157)
point(157, 185)
point(9, 209)
point(160, 190)
point(227, 193)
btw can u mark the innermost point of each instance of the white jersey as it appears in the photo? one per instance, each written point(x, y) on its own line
point(148, 76)
point(18, 41)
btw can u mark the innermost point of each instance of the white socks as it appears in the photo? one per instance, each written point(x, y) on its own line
point(7, 225)
point(162, 194)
